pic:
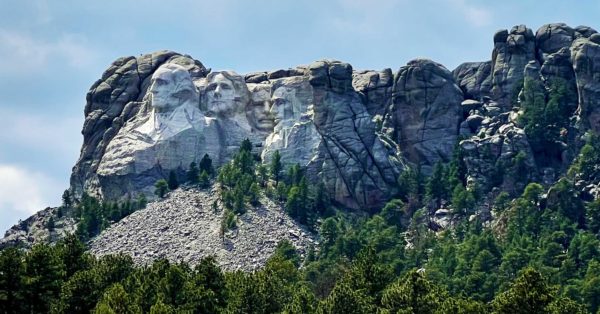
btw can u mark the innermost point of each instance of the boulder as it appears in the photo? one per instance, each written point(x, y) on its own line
point(474, 79)
point(375, 89)
point(550, 38)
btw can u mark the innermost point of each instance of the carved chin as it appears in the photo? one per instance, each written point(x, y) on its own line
point(264, 126)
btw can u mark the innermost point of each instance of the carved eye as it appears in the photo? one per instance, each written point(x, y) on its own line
point(211, 87)
point(225, 86)
point(160, 82)
point(279, 101)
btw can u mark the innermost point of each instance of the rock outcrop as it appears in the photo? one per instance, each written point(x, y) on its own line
point(512, 52)
point(474, 78)
point(425, 113)
point(352, 131)
point(112, 101)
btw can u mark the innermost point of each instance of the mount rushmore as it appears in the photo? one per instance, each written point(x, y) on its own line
point(353, 131)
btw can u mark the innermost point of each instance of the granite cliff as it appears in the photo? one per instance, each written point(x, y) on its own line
point(352, 131)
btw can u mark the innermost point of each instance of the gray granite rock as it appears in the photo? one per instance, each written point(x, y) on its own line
point(512, 51)
point(375, 89)
point(111, 101)
point(425, 113)
point(322, 124)
point(474, 78)
point(585, 56)
point(550, 38)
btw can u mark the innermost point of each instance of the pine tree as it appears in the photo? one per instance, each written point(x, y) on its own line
point(204, 179)
point(66, 199)
point(246, 146)
point(412, 294)
point(275, 167)
point(141, 201)
point(173, 183)
point(162, 187)
point(44, 275)
point(435, 189)
point(116, 300)
point(12, 269)
point(192, 173)
point(206, 165)
point(530, 293)
point(50, 224)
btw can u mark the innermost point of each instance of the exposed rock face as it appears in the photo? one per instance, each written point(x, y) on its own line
point(180, 112)
point(111, 102)
point(34, 229)
point(321, 123)
point(350, 129)
point(585, 56)
point(474, 78)
point(512, 51)
point(375, 89)
point(550, 38)
point(426, 112)
point(185, 227)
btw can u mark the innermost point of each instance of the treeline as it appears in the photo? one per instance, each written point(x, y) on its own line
point(541, 253)
point(65, 279)
point(93, 215)
point(243, 180)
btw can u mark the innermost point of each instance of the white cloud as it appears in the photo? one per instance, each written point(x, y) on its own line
point(21, 53)
point(474, 15)
point(24, 192)
point(47, 133)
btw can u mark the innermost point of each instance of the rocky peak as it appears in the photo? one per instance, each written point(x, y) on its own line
point(351, 130)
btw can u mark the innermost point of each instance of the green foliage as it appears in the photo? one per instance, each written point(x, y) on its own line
point(117, 300)
point(412, 294)
point(192, 173)
point(275, 167)
point(502, 201)
point(586, 166)
point(435, 188)
point(298, 202)
point(66, 199)
point(94, 216)
point(50, 224)
point(544, 118)
point(161, 188)
point(173, 183)
point(204, 179)
point(246, 145)
point(238, 182)
point(206, 165)
point(463, 201)
point(12, 284)
point(394, 212)
point(43, 277)
point(530, 293)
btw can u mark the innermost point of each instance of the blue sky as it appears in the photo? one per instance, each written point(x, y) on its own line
point(51, 52)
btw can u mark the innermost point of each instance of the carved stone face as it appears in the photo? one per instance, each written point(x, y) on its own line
point(171, 86)
point(257, 110)
point(220, 95)
point(282, 104)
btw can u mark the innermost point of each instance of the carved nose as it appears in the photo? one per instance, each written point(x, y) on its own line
point(218, 91)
